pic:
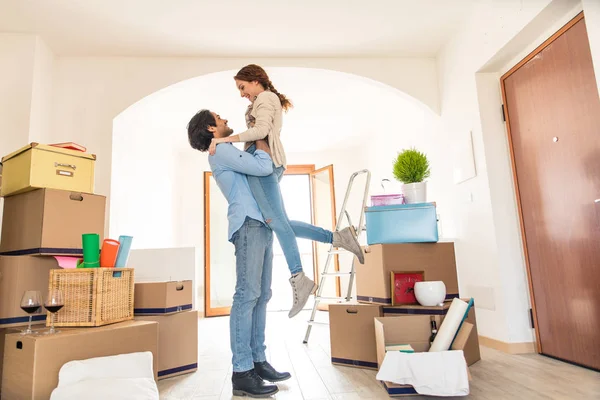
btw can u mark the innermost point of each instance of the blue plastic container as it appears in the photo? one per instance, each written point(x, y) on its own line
point(402, 223)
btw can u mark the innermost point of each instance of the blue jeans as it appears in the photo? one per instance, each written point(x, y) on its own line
point(254, 270)
point(267, 193)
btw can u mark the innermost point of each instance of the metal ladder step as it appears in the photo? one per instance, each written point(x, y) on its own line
point(336, 274)
point(330, 298)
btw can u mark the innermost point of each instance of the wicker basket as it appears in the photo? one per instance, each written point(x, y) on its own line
point(93, 296)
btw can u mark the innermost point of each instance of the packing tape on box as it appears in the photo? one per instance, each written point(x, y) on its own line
point(452, 322)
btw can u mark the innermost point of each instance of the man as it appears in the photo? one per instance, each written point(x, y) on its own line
point(253, 242)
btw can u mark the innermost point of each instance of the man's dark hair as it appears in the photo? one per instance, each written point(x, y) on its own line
point(198, 133)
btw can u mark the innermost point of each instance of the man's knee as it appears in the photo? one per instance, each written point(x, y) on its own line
point(249, 295)
point(266, 296)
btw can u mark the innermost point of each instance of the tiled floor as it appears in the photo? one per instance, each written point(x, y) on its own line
point(496, 376)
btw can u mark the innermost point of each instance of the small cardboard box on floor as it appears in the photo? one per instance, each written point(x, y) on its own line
point(47, 221)
point(32, 363)
point(17, 275)
point(436, 261)
point(414, 330)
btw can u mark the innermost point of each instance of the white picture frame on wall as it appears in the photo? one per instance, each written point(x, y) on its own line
point(463, 158)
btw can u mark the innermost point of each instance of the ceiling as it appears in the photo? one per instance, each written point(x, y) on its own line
point(238, 28)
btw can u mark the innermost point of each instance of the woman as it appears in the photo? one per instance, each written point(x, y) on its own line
point(264, 121)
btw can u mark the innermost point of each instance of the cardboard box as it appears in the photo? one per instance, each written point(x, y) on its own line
point(414, 330)
point(471, 347)
point(436, 260)
point(160, 298)
point(50, 222)
point(177, 343)
point(41, 166)
point(17, 275)
point(32, 363)
point(352, 334)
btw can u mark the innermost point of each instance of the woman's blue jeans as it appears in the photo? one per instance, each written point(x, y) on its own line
point(267, 193)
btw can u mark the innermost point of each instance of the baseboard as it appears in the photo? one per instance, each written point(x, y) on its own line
point(510, 348)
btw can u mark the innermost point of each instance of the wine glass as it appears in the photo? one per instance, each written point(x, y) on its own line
point(53, 304)
point(31, 302)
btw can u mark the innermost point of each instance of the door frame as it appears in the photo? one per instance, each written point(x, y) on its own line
point(334, 221)
point(530, 56)
point(299, 169)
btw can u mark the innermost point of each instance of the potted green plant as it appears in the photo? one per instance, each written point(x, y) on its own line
point(411, 167)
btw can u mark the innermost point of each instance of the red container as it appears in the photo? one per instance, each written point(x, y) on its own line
point(108, 254)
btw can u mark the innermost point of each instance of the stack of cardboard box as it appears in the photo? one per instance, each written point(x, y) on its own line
point(170, 304)
point(48, 204)
point(410, 323)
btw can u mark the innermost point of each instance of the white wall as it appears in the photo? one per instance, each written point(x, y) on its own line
point(17, 59)
point(25, 92)
point(41, 99)
point(592, 17)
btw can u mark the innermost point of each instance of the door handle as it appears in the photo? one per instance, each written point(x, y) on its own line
point(597, 201)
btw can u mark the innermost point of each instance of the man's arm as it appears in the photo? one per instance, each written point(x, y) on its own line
point(229, 157)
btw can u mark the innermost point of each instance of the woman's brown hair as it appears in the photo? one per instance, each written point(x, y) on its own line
point(254, 72)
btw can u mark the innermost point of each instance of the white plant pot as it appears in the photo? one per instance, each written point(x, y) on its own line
point(415, 192)
point(430, 294)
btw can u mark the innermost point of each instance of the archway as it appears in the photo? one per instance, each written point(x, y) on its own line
point(346, 120)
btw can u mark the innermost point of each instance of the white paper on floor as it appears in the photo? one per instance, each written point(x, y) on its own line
point(442, 373)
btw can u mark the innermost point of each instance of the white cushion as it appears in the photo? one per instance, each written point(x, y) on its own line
point(125, 376)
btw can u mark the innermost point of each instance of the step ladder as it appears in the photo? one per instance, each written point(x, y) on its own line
point(332, 251)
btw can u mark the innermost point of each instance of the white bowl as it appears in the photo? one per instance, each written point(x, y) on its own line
point(430, 293)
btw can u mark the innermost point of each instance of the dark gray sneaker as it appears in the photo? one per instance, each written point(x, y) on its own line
point(347, 239)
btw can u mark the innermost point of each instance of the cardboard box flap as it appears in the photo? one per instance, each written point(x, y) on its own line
point(53, 149)
point(461, 338)
point(411, 329)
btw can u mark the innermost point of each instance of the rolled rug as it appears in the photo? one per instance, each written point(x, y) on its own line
point(450, 326)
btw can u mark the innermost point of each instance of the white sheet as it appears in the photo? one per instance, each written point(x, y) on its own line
point(441, 373)
point(120, 377)
point(108, 388)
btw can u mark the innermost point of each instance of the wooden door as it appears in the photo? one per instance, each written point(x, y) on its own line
point(553, 118)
